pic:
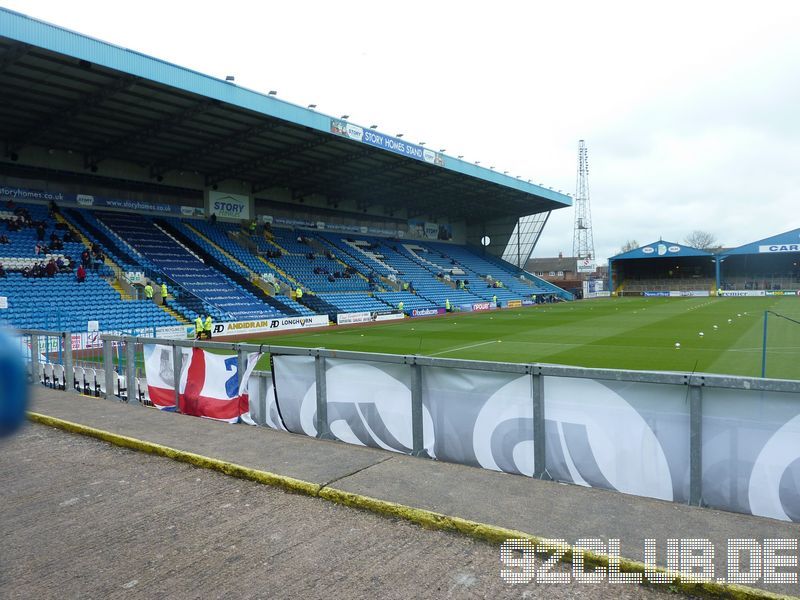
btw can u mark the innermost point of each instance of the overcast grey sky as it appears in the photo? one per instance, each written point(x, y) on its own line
point(690, 110)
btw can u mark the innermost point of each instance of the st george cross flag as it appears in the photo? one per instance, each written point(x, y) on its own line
point(209, 384)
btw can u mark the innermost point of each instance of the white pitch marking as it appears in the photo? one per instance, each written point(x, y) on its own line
point(462, 348)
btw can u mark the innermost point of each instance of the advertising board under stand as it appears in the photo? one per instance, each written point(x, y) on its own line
point(427, 312)
point(263, 325)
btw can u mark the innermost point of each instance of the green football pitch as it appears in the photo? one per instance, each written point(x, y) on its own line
point(618, 333)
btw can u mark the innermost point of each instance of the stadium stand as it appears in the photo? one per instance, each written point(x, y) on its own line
point(219, 268)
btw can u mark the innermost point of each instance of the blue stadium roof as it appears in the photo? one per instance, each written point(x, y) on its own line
point(788, 241)
point(661, 249)
point(65, 90)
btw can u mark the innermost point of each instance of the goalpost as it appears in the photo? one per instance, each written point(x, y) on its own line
point(764, 340)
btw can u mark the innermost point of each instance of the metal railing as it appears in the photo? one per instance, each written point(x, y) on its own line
point(123, 377)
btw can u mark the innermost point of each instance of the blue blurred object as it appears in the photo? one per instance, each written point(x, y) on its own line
point(13, 388)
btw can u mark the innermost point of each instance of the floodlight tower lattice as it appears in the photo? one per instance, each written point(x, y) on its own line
point(583, 240)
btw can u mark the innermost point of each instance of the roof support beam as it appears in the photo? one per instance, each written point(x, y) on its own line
point(62, 117)
point(310, 171)
point(12, 55)
point(175, 162)
point(142, 134)
point(364, 187)
point(264, 161)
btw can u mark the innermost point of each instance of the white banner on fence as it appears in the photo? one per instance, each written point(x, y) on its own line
point(618, 435)
point(174, 332)
point(260, 326)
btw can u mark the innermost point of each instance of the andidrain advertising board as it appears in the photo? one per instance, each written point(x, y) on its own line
point(262, 325)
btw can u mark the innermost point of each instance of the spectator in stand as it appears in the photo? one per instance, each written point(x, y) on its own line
point(2, 270)
point(51, 268)
point(40, 232)
point(4, 239)
point(38, 248)
point(213, 218)
point(81, 274)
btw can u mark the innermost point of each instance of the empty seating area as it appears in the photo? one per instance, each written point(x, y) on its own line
point(217, 233)
point(482, 266)
point(223, 298)
point(410, 301)
point(354, 302)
